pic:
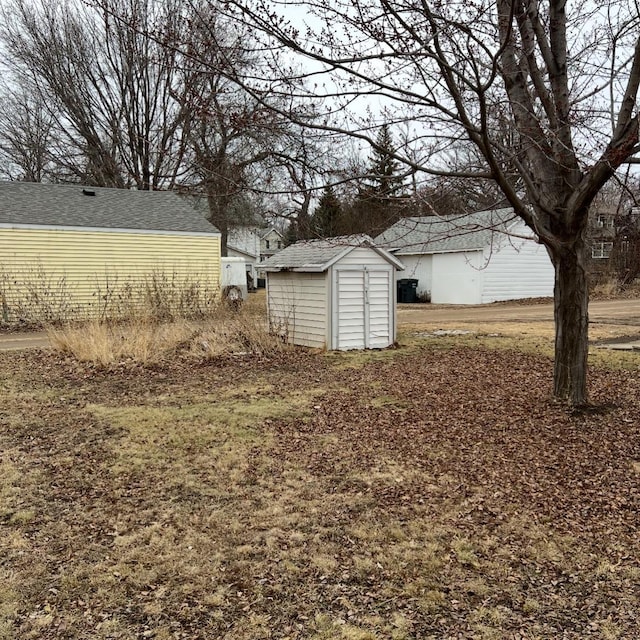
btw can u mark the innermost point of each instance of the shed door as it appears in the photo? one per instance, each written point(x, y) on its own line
point(363, 309)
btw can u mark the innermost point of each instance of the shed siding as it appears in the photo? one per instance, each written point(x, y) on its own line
point(86, 263)
point(351, 303)
point(381, 292)
point(420, 268)
point(361, 256)
point(457, 277)
point(298, 307)
point(516, 269)
point(364, 310)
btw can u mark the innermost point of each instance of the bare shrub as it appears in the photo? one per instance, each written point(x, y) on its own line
point(36, 298)
point(605, 289)
point(145, 341)
point(239, 334)
point(611, 288)
point(33, 297)
point(105, 343)
point(160, 296)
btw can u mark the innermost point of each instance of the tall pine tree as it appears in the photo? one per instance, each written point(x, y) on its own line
point(327, 218)
point(381, 196)
point(383, 182)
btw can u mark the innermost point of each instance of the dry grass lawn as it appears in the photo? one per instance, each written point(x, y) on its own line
point(433, 491)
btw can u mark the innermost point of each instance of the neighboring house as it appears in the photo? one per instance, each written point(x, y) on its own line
point(337, 293)
point(91, 241)
point(244, 242)
point(614, 241)
point(271, 241)
point(255, 245)
point(243, 237)
point(602, 234)
point(471, 259)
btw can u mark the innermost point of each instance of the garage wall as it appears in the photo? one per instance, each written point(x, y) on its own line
point(516, 269)
point(84, 266)
point(297, 306)
point(419, 267)
point(457, 278)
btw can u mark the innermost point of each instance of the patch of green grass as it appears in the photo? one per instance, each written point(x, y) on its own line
point(389, 401)
point(325, 628)
point(218, 432)
point(343, 360)
point(465, 553)
point(530, 342)
point(523, 343)
point(614, 359)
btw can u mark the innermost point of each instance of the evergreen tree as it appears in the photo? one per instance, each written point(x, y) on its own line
point(299, 228)
point(381, 198)
point(291, 234)
point(383, 182)
point(327, 218)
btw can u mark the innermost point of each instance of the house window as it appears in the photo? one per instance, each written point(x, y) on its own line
point(279, 244)
point(267, 243)
point(601, 249)
point(604, 221)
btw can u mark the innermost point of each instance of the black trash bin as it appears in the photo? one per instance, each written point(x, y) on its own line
point(407, 290)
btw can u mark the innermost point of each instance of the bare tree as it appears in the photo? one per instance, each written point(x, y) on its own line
point(564, 74)
point(113, 96)
point(235, 142)
point(233, 139)
point(26, 135)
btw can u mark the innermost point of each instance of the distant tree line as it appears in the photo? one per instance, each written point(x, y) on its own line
point(371, 197)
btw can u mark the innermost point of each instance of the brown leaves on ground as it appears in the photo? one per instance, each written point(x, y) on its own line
point(429, 493)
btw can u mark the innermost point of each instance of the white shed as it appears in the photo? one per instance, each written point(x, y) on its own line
point(337, 293)
point(476, 258)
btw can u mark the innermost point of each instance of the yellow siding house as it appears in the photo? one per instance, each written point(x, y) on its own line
point(77, 246)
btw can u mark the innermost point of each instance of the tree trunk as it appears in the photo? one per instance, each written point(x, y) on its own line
point(571, 300)
point(218, 217)
point(224, 237)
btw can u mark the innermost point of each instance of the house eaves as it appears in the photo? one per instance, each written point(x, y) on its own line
point(253, 256)
point(155, 232)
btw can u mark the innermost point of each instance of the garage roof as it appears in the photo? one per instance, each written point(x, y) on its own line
point(71, 205)
point(319, 255)
point(441, 234)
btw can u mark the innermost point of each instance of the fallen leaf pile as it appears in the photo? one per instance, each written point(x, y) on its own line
point(423, 494)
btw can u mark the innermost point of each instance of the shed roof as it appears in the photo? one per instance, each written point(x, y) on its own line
point(319, 255)
point(71, 205)
point(441, 234)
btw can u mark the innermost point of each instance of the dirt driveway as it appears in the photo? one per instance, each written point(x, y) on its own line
point(17, 341)
point(623, 312)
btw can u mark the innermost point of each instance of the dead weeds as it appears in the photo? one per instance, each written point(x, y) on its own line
point(431, 493)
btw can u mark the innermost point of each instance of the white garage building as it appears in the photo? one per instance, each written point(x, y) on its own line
point(471, 259)
point(338, 293)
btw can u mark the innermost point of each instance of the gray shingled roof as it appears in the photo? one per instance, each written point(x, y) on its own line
point(64, 205)
point(436, 234)
point(319, 255)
